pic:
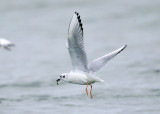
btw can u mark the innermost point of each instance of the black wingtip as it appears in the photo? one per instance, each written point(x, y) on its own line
point(76, 13)
point(122, 49)
point(125, 46)
point(79, 20)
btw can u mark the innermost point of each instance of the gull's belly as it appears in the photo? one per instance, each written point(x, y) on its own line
point(77, 79)
point(82, 79)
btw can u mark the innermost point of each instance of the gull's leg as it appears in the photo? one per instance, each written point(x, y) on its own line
point(86, 89)
point(91, 92)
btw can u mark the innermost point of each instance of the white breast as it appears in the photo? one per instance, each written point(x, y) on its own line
point(77, 78)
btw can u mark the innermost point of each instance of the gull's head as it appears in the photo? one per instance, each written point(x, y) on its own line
point(63, 76)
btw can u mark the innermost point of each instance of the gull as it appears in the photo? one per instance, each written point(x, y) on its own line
point(6, 44)
point(83, 73)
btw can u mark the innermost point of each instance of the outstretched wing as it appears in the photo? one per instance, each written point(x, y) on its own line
point(76, 44)
point(98, 63)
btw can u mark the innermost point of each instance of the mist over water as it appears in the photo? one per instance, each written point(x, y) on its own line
point(39, 29)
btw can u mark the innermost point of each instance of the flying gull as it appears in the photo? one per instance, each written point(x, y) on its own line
point(6, 44)
point(83, 73)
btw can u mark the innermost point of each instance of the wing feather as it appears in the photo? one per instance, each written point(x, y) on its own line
point(98, 63)
point(76, 44)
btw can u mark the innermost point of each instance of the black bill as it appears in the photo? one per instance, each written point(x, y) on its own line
point(58, 81)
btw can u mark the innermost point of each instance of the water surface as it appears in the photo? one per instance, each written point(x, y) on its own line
point(39, 30)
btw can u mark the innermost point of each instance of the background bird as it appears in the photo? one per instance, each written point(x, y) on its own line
point(6, 44)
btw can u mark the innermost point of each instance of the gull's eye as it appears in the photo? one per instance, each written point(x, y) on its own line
point(63, 76)
point(60, 76)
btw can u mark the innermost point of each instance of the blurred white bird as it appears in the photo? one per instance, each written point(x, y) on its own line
point(6, 44)
point(83, 73)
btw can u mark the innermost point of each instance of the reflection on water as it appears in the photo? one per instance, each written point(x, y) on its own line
point(39, 30)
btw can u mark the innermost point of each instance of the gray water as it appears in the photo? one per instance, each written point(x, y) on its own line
point(39, 30)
